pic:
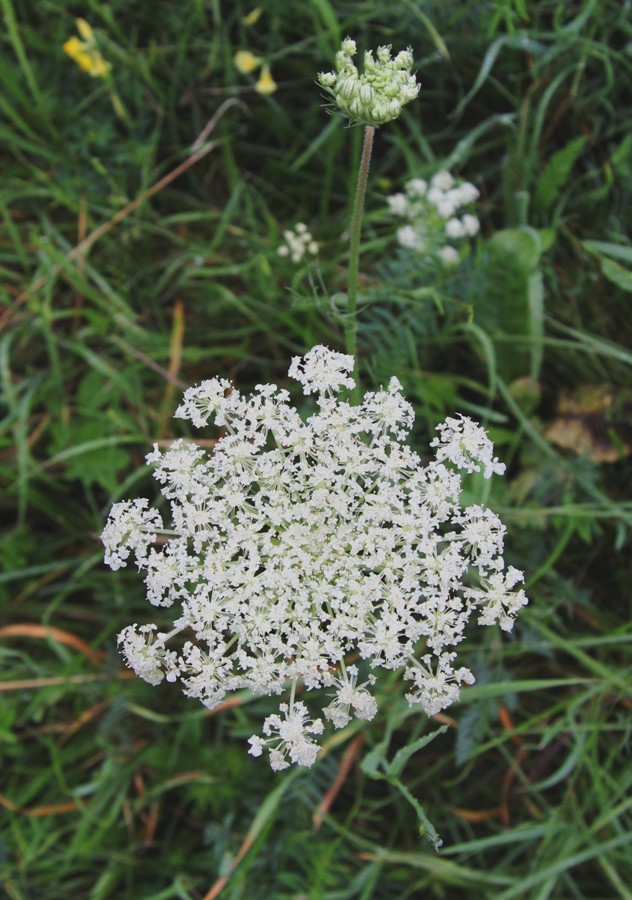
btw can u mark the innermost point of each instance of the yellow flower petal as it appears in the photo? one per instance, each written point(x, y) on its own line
point(252, 17)
point(266, 84)
point(85, 61)
point(99, 68)
point(246, 62)
point(73, 46)
point(84, 29)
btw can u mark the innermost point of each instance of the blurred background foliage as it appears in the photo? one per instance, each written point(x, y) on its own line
point(141, 216)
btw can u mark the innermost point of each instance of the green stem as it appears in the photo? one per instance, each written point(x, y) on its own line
point(354, 249)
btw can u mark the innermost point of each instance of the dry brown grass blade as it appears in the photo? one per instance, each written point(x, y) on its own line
point(86, 716)
point(50, 633)
point(50, 809)
point(477, 815)
point(28, 684)
point(176, 343)
point(346, 762)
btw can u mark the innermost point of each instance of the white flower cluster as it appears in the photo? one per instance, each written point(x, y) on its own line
point(293, 544)
point(298, 243)
point(434, 215)
point(378, 95)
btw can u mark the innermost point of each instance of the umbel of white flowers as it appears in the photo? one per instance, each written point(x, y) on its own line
point(378, 95)
point(432, 214)
point(294, 544)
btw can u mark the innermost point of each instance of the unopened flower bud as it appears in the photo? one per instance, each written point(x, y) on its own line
point(349, 47)
point(346, 87)
point(378, 94)
point(366, 93)
point(404, 59)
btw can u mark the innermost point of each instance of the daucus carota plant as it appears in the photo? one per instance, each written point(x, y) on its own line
point(293, 544)
point(296, 548)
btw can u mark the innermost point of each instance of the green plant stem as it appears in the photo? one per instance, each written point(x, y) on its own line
point(354, 249)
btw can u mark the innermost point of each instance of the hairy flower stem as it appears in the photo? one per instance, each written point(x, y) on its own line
point(354, 250)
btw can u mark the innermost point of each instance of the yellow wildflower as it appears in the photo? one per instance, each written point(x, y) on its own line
point(266, 84)
point(246, 62)
point(252, 17)
point(85, 30)
point(86, 53)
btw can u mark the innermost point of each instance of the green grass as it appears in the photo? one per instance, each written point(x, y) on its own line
point(115, 789)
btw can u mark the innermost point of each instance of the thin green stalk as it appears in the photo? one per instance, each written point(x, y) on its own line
point(354, 249)
point(13, 32)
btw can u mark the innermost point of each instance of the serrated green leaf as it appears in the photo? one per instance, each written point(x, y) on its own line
point(402, 756)
point(373, 761)
point(426, 828)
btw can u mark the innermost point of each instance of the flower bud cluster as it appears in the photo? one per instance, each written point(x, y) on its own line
point(298, 242)
point(378, 95)
point(435, 215)
point(294, 543)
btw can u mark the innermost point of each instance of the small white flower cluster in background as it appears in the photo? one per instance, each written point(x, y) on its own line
point(298, 243)
point(435, 216)
point(294, 544)
point(379, 93)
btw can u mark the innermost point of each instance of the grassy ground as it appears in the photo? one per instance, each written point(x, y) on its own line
point(133, 265)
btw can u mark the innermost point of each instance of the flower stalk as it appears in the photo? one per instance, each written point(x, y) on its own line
point(354, 246)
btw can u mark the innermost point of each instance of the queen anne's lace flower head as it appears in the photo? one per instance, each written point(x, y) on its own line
point(464, 443)
point(298, 243)
point(434, 216)
point(293, 543)
point(349, 697)
point(288, 736)
point(379, 93)
point(322, 370)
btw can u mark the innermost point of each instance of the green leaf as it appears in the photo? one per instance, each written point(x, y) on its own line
point(547, 238)
point(556, 174)
point(89, 453)
point(605, 248)
point(535, 302)
point(426, 828)
point(617, 274)
point(373, 761)
point(402, 756)
point(510, 307)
